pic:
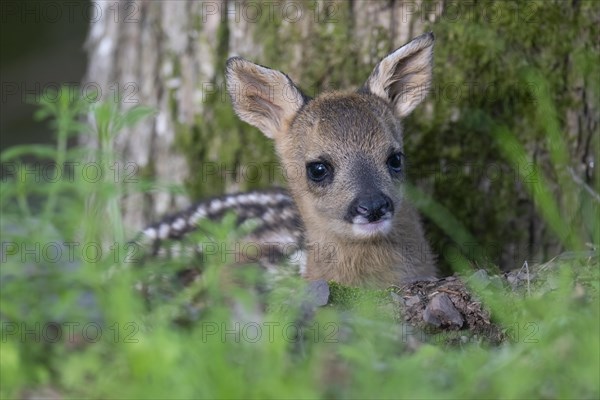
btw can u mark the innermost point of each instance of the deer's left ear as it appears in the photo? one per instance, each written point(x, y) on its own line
point(403, 78)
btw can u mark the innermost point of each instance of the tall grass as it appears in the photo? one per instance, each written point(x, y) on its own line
point(75, 326)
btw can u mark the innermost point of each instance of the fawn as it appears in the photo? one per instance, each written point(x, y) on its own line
point(343, 154)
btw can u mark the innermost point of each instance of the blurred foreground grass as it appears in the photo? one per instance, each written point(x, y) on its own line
point(73, 326)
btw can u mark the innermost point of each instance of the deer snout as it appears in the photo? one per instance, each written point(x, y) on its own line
point(370, 208)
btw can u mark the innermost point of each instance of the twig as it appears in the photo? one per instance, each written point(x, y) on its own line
point(526, 266)
point(449, 291)
point(584, 185)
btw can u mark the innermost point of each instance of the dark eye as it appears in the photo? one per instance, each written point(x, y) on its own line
point(394, 162)
point(317, 171)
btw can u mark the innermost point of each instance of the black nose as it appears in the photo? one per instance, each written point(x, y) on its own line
point(370, 206)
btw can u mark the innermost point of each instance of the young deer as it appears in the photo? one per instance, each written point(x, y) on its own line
point(343, 157)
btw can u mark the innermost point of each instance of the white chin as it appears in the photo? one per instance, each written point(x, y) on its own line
point(372, 229)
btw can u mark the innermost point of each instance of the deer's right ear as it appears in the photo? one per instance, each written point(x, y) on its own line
point(262, 97)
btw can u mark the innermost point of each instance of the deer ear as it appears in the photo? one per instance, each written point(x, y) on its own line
point(403, 78)
point(262, 97)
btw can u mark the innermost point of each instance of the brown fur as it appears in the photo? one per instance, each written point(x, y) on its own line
point(355, 132)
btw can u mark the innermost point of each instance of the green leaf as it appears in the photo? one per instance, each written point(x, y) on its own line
point(38, 150)
point(136, 114)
